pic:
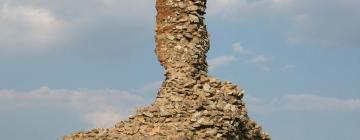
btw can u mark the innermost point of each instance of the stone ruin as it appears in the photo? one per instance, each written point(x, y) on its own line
point(190, 104)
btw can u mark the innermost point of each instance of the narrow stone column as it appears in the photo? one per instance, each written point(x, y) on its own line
point(182, 39)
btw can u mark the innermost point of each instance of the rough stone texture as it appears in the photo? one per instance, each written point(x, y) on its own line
point(190, 104)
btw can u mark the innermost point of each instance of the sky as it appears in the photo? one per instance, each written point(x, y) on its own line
point(74, 65)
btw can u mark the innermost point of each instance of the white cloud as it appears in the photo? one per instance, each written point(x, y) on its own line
point(29, 27)
point(301, 102)
point(234, 8)
point(237, 47)
point(100, 108)
point(103, 119)
point(259, 60)
point(21, 24)
point(307, 22)
point(257, 105)
point(218, 61)
point(314, 103)
point(217, 6)
point(150, 87)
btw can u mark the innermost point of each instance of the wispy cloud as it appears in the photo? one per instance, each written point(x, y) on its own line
point(237, 47)
point(150, 87)
point(259, 60)
point(103, 118)
point(219, 61)
point(100, 108)
point(315, 102)
point(304, 22)
point(289, 67)
point(302, 102)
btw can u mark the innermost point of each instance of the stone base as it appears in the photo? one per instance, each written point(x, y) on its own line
point(204, 108)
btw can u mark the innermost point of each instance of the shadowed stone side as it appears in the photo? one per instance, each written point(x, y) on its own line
point(190, 104)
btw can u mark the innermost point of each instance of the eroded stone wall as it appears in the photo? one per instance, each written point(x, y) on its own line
point(190, 104)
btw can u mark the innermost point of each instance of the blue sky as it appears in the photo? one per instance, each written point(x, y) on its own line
point(74, 65)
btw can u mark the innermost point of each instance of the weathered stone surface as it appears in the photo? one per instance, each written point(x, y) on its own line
point(190, 105)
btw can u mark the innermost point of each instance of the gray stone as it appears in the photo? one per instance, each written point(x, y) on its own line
point(206, 87)
point(195, 117)
point(170, 37)
point(164, 113)
point(194, 19)
point(182, 5)
point(188, 35)
point(148, 114)
point(175, 99)
point(193, 8)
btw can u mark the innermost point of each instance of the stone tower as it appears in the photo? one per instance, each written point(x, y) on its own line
point(190, 104)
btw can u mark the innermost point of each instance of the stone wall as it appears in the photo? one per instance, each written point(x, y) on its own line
point(190, 104)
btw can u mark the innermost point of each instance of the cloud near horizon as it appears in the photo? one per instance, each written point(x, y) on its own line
point(103, 108)
point(301, 103)
point(99, 108)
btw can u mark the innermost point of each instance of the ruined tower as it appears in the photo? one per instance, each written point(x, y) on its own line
point(190, 104)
